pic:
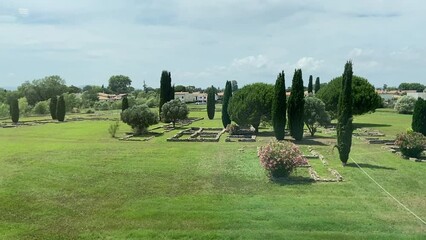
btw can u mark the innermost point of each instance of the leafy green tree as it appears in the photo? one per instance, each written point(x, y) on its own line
point(251, 104)
point(296, 105)
point(344, 120)
point(419, 117)
point(315, 114)
point(226, 119)
point(180, 88)
point(365, 99)
point(174, 110)
point(61, 109)
point(172, 93)
point(310, 85)
point(234, 85)
point(124, 103)
point(317, 86)
point(405, 105)
point(165, 88)
point(41, 107)
point(42, 89)
point(24, 108)
point(74, 89)
point(90, 95)
point(52, 107)
point(14, 110)
point(211, 102)
point(120, 84)
point(72, 101)
point(139, 117)
point(3, 95)
point(412, 86)
point(279, 106)
point(4, 110)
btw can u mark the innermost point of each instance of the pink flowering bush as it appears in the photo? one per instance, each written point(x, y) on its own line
point(411, 143)
point(280, 158)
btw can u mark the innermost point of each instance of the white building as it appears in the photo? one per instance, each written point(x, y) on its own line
point(185, 97)
point(417, 95)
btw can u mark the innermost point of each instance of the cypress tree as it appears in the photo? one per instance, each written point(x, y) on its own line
point(279, 105)
point(52, 107)
point(310, 85)
point(124, 103)
point(317, 85)
point(296, 104)
point(14, 110)
point(165, 88)
point(344, 119)
point(211, 102)
point(172, 92)
point(226, 98)
point(60, 109)
point(419, 117)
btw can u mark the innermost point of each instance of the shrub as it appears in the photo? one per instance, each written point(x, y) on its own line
point(14, 110)
point(315, 114)
point(280, 158)
point(174, 110)
point(41, 107)
point(405, 105)
point(101, 106)
point(61, 109)
point(232, 128)
point(411, 143)
point(113, 128)
point(139, 117)
point(52, 107)
point(88, 111)
point(419, 117)
point(4, 110)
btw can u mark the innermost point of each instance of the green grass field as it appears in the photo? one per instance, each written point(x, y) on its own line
point(73, 181)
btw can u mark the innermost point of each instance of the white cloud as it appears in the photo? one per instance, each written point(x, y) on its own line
point(23, 11)
point(309, 63)
point(258, 61)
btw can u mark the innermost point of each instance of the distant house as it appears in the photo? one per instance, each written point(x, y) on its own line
point(417, 95)
point(185, 97)
point(200, 97)
point(110, 97)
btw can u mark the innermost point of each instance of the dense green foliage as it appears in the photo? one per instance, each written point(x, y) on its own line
point(165, 88)
point(315, 114)
point(317, 85)
point(120, 84)
point(124, 103)
point(60, 109)
point(226, 119)
point(72, 102)
point(412, 86)
point(344, 116)
point(174, 110)
point(14, 110)
point(365, 99)
point(139, 117)
point(251, 104)
point(42, 89)
point(234, 85)
point(279, 107)
point(52, 107)
point(419, 117)
point(310, 85)
point(296, 105)
point(211, 102)
point(405, 105)
point(41, 108)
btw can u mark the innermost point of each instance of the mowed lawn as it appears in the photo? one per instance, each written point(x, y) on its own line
point(73, 181)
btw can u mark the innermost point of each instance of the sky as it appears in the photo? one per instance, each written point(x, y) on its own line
point(205, 43)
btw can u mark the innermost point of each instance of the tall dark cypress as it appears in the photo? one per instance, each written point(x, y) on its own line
point(60, 109)
point(226, 97)
point(296, 104)
point(211, 102)
point(52, 107)
point(14, 110)
point(317, 85)
point(279, 106)
point(419, 117)
point(172, 92)
point(165, 88)
point(310, 85)
point(344, 119)
point(124, 103)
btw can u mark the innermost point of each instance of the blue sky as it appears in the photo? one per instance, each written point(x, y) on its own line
point(205, 43)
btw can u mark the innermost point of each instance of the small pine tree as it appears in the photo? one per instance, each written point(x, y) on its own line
point(14, 110)
point(310, 85)
point(344, 119)
point(296, 104)
point(226, 119)
point(419, 117)
point(317, 85)
point(211, 102)
point(52, 107)
point(124, 103)
point(60, 109)
point(279, 106)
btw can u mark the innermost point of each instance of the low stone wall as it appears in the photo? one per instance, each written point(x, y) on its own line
point(314, 175)
point(197, 135)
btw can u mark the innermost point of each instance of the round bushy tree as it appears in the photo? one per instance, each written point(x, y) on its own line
point(251, 104)
point(296, 104)
point(52, 107)
point(419, 117)
point(174, 110)
point(365, 99)
point(41, 107)
point(405, 105)
point(279, 105)
point(61, 109)
point(226, 119)
point(211, 102)
point(139, 117)
point(315, 114)
point(14, 110)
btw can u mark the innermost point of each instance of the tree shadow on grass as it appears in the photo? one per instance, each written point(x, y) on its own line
point(371, 166)
point(293, 180)
point(370, 125)
point(266, 134)
point(310, 142)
